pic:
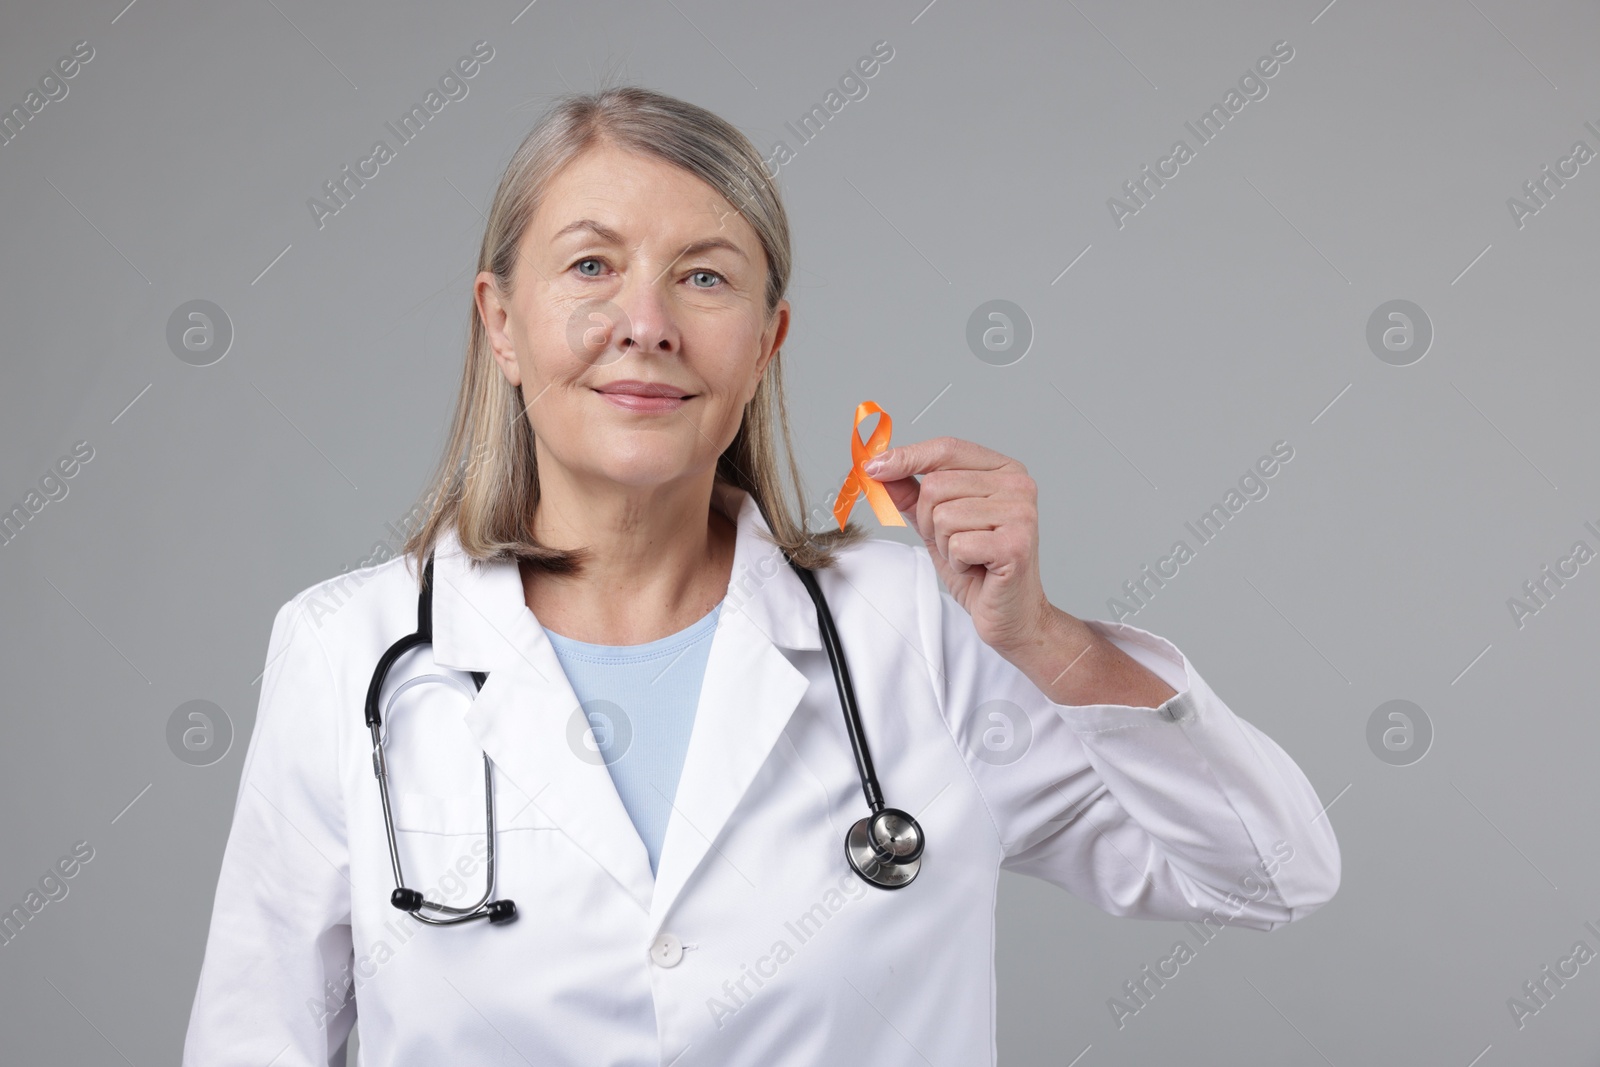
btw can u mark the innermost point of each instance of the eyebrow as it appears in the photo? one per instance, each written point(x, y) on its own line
point(607, 234)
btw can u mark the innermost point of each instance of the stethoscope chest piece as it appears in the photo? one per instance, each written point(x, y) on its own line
point(885, 848)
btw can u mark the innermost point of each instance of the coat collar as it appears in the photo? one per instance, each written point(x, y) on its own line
point(528, 719)
point(476, 605)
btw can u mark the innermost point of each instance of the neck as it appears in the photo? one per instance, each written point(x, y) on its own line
point(660, 558)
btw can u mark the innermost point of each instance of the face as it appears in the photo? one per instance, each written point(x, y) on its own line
point(633, 270)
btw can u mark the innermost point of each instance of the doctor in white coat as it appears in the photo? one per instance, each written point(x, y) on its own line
point(636, 238)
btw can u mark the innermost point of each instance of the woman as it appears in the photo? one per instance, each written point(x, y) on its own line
point(672, 776)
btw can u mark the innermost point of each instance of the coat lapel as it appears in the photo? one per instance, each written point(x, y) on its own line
point(527, 717)
point(524, 717)
point(747, 697)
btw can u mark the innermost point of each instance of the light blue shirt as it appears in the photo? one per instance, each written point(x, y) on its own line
point(640, 701)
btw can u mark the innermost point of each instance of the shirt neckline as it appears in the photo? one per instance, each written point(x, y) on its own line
point(661, 646)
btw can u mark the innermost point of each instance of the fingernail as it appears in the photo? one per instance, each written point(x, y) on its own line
point(873, 466)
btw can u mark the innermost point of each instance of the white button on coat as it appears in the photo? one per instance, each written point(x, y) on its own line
point(666, 951)
point(1185, 812)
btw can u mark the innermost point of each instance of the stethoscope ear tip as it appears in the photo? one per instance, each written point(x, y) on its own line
point(406, 899)
point(501, 911)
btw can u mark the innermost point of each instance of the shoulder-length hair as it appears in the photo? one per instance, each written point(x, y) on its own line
point(486, 485)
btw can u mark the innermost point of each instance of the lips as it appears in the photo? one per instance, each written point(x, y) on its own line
point(645, 389)
point(644, 397)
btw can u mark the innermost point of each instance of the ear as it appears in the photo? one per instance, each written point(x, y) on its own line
point(492, 310)
point(771, 341)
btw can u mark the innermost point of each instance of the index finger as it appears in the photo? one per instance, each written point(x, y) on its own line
point(936, 453)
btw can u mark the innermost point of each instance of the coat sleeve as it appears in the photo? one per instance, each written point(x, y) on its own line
point(1185, 811)
point(274, 983)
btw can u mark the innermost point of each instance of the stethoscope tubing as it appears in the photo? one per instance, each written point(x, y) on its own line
point(847, 699)
point(380, 764)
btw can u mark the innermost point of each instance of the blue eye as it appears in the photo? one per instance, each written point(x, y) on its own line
point(708, 273)
point(581, 262)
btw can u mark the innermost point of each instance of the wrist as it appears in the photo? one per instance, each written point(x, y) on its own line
point(1073, 664)
point(1056, 644)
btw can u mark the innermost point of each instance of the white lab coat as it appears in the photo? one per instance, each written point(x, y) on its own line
point(755, 944)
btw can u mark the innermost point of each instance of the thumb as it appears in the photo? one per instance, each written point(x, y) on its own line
point(903, 488)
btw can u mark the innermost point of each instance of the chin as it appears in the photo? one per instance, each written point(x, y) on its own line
point(643, 471)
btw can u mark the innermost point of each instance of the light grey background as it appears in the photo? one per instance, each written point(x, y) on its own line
point(1229, 313)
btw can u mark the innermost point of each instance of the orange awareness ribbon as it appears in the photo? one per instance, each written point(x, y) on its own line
point(859, 481)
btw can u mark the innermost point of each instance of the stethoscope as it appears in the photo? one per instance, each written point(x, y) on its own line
point(884, 848)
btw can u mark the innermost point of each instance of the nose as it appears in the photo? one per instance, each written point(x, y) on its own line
point(645, 320)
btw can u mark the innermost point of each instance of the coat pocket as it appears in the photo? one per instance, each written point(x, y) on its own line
point(462, 814)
